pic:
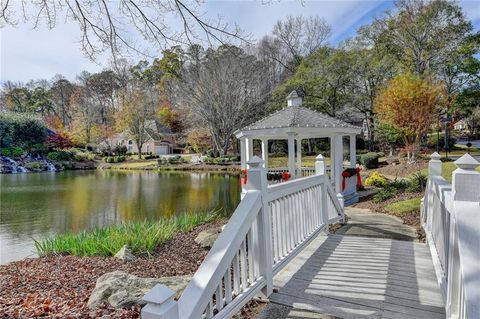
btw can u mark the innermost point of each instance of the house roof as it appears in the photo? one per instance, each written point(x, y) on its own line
point(156, 130)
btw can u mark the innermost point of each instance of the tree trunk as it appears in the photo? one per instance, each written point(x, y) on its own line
point(139, 146)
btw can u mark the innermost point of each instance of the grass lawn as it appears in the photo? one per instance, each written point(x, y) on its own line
point(447, 170)
point(283, 161)
point(136, 164)
point(461, 149)
point(404, 206)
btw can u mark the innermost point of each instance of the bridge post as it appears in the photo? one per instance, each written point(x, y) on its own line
point(434, 169)
point(435, 165)
point(465, 180)
point(257, 180)
point(466, 202)
point(320, 170)
point(160, 304)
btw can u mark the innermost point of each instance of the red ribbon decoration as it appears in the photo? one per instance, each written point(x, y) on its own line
point(285, 176)
point(243, 180)
point(359, 178)
point(345, 174)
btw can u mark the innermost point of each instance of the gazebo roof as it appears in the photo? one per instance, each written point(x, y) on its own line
point(300, 120)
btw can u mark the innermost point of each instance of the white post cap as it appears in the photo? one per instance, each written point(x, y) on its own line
point(255, 162)
point(467, 162)
point(435, 156)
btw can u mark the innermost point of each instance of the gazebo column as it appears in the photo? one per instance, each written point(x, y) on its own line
point(337, 161)
point(353, 151)
point(291, 154)
point(299, 157)
point(265, 152)
point(243, 153)
point(249, 142)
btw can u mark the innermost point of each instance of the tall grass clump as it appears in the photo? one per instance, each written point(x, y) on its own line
point(142, 237)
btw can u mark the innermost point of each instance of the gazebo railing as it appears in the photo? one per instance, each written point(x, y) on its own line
point(271, 225)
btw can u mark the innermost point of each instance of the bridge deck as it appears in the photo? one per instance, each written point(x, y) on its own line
point(339, 276)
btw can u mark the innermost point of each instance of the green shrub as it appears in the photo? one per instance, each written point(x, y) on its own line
point(141, 237)
point(369, 160)
point(39, 149)
point(21, 129)
point(398, 184)
point(432, 141)
point(376, 179)
point(417, 183)
point(13, 152)
point(60, 156)
point(384, 194)
point(34, 166)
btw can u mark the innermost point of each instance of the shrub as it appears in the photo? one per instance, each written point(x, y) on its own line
point(34, 166)
point(39, 149)
point(416, 183)
point(376, 179)
point(21, 129)
point(398, 184)
point(59, 141)
point(13, 152)
point(120, 150)
point(60, 156)
point(384, 194)
point(432, 141)
point(369, 160)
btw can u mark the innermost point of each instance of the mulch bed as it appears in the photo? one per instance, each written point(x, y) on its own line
point(59, 286)
point(401, 170)
point(411, 219)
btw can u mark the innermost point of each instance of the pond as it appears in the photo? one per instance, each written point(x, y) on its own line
point(38, 205)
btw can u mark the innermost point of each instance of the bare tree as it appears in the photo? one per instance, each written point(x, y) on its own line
point(223, 93)
point(301, 36)
point(114, 25)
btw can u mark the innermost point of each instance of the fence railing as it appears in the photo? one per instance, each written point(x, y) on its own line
point(270, 226)
point(451, 219)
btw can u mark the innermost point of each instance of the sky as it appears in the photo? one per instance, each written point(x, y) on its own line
point(27, 54)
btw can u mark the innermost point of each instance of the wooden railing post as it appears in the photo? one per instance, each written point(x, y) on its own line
point(435, 165)
point(257, 180)
point(465, 180)
point(466, 202)
point(320, 169)
point(434, 169)
point(160, 304)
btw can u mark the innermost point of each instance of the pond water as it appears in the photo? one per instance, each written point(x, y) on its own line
point(35, 206)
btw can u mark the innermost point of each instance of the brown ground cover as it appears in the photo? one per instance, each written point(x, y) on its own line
point(59, 286)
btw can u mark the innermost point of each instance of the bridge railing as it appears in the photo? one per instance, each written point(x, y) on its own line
point(451, 219)
point(270, 226)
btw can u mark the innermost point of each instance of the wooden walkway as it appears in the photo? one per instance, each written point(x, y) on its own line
point(342, 276)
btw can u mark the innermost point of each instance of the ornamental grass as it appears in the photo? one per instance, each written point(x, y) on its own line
point(142, 237)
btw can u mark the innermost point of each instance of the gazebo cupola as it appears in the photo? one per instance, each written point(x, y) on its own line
point(295, 123)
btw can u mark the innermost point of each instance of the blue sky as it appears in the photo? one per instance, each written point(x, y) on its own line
point(34, 54)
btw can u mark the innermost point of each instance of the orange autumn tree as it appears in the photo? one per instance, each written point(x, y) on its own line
point(408, 102)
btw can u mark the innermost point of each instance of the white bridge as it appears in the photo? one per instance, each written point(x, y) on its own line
point(273, 225)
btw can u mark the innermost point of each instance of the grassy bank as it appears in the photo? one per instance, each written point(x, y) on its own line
point(447, 170)
point(141, 237)
point(404, 206)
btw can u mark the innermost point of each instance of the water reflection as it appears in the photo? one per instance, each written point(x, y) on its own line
point(39, 205)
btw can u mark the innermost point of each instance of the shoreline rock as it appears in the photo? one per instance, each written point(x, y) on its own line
point(122, 290)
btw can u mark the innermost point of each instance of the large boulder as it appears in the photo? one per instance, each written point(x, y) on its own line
point(207, 237)
point(120, 289)
point(125, 254)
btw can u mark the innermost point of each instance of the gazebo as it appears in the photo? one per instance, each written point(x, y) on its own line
point(295, 123)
